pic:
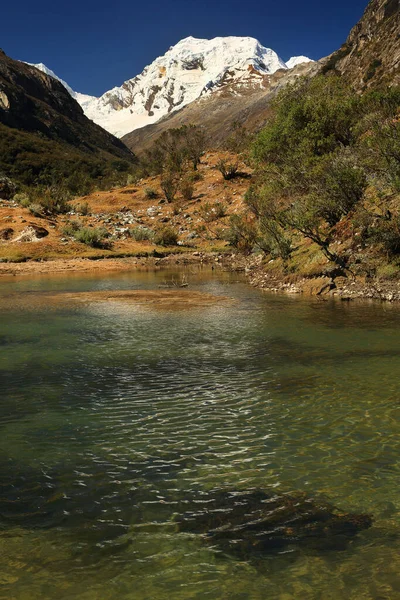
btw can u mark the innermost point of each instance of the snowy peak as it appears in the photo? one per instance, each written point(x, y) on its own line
point(297, 60)
point(191, 69)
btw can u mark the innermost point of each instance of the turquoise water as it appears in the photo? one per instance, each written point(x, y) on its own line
point(113, 415)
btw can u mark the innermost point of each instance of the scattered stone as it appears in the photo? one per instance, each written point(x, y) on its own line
point(32, 233)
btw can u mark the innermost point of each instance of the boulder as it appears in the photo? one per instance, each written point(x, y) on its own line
point(255, 523)
point(7, 188)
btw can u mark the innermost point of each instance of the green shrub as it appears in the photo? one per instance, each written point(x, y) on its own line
point(167, 236)
point(387, 234)
point(141, 234)
point(242, 233)
point(92, 236)
point(53, 200)
point(239, 140)
point(196, 176)
point(389, 272)
point(22, 199)
point(71, 227)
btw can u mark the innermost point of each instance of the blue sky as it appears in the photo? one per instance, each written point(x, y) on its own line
point(96, 45)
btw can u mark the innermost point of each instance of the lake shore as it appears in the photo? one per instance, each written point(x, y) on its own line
point(343, 287)
point(103, 265)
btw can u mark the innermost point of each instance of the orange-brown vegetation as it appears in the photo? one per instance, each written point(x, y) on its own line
point(123, 214)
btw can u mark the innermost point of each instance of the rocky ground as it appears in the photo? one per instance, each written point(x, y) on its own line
point(345, 286)
point(200, 223)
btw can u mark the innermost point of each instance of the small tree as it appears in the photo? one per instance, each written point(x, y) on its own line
point(187, 188)
point(169, 186)
point(194, 140)
point(167, 236)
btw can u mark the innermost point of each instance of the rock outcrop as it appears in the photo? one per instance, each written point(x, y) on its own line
point(371, 54)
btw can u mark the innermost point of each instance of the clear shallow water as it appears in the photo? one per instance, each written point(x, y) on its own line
point(111, 416)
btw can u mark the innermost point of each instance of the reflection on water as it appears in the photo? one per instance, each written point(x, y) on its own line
point(115, 422)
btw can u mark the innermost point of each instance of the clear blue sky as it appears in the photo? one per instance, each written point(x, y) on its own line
point(96, 45)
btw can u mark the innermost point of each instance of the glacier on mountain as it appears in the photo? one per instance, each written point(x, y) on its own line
point(189, 70)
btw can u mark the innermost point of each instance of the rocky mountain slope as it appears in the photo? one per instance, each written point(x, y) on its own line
point(191, 69)
point(34, 102)
point(371, 54)
point(217, 112)
point(370, 57)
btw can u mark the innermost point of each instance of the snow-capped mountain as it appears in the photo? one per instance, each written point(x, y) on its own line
point(189, 70)
point(297, 60)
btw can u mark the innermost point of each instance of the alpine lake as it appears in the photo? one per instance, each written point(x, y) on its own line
point(237, 446)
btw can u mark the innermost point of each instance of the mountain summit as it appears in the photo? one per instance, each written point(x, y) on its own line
point(190, 69)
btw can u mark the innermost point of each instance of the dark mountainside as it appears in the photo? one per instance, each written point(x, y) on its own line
point(47, 141)
point(34, 102)
point(371, 54)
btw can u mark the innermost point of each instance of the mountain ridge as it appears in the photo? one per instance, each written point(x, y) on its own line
point(370, 57)
point(187, 71)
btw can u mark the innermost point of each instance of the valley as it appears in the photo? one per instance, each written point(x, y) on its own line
point(199, 305)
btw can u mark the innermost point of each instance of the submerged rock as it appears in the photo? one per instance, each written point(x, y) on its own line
point(253, 523)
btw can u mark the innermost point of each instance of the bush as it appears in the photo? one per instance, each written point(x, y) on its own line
point(22, 199)
point(339, 185)
point(196, 176)
point(213, 211)
point(151, 193)
point(167, 236)
point(387, 234)
point(36, 209)
point(91, 236)
point(187, 188)
point(228, 170)
point(83, 208)
point(169, 186)
point(53, 200)
point(71, 227)
point(242, 233)
point(141, 234)
point(239, 140)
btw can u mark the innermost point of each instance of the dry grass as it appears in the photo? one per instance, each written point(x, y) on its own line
point(121, 210)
